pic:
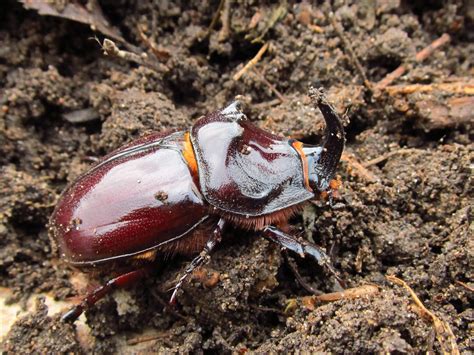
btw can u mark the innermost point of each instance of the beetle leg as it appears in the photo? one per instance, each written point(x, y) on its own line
point(202, 258)
point(121, 281)
point(301, 247)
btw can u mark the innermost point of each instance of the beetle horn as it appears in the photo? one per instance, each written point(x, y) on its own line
point(322, 161)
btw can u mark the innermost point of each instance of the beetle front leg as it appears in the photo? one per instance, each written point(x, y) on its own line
point(92, 298)
point(202, 258)
point(301, 247)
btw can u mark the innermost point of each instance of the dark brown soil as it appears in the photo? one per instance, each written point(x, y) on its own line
point(408, 215)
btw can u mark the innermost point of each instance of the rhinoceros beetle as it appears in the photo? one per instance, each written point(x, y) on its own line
point(176, 192)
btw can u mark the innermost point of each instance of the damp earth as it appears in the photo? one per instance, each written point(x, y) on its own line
point(404, 207)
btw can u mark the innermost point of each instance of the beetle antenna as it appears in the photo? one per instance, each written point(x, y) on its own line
point(333, 144)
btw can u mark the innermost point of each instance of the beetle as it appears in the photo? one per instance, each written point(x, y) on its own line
point(176, 192)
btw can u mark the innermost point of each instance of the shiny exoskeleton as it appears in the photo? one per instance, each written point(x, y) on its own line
point(175, 192)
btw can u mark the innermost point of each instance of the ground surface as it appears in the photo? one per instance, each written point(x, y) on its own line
point(407, 214)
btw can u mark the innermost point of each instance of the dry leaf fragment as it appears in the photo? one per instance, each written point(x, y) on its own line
point(91, 15)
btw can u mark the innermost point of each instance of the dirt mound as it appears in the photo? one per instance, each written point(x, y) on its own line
point(405, 206)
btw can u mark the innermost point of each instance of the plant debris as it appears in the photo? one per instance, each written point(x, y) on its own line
point(444, 333)
point(91, 15)
point(404, 207)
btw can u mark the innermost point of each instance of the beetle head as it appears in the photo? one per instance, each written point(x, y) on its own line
point(322, 160)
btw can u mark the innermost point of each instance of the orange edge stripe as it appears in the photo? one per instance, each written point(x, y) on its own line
point(299, 149)
point(188, 154)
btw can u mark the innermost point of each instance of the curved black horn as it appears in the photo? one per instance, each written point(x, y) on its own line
point(324, 163)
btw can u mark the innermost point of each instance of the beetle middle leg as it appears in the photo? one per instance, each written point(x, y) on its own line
point(301, 247)
point(121, 281)
point(202, 258)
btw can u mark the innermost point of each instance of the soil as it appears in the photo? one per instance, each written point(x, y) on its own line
point(408, 214)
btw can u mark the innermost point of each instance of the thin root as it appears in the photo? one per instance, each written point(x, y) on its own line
point(110, 48)
point(310, 302)
point(465, 88)
point(465, 285)
point(272, 87)
point(225, 19)
point(215, 18)
point(161, 54)
point(420, 56)
point(359, 169)
point(251, 62)
point(143, 339)
point(389, 155)
point(301, 281)
point(444, 334)
point(350, 294)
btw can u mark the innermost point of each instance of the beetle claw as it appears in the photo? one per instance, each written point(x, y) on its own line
point(302, 248)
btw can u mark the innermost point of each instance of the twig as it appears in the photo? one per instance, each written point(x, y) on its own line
point(466, 88)
point(225, 19)
point(251, 62)
point(266, 104)
point(350, 293)
point(442, 328)
point(267, 309)
point(310, 302)
point(465, 285)
point(352, 55)
point(270, 85)
point(160, 54)
point(277, 14)
point(111, 49)
point(215, 18)
point(359, 168)
point(388, 155)
point(420, 56)
point(301, 281)
point(427, 51)
point(143, 339)
point(257, 16)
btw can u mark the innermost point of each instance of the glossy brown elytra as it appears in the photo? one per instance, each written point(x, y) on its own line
point(160, 193)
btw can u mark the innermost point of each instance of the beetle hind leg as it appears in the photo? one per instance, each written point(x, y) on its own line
point(301, 247)
point(92, 298)
point(201, 259)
